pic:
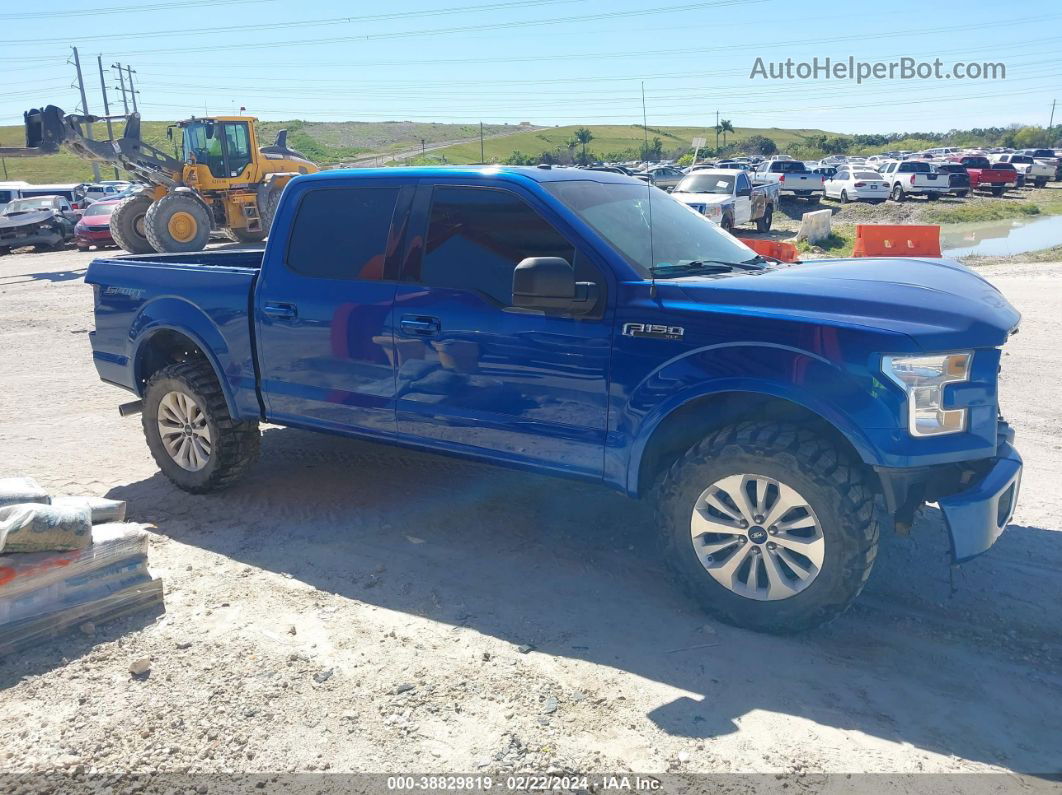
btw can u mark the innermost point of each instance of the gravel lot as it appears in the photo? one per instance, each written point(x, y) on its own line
point(352, 607)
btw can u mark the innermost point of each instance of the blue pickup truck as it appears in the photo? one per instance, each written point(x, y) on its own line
point(584, 324)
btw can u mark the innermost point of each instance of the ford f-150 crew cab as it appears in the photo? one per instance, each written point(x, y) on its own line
point(729, 198)
point(584, 324)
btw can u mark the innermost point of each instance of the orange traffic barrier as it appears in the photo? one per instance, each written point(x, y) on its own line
point(786, 252)
point(887, 240)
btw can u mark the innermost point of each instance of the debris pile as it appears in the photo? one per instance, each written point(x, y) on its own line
point(66, 562)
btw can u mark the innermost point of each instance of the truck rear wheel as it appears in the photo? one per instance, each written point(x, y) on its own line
point(769, 526)
point(763, 224)
point(188, 429)
point(177, 222)
point(128, 225)
point(897, 194)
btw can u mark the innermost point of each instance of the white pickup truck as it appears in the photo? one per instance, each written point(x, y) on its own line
point(791, 176)
point(728, 197)
point(914, 177)
point(1037, 172)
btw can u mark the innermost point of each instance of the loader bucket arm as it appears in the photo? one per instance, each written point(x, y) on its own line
point(49, 130)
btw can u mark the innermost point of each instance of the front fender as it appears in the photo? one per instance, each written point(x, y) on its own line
point(178, 315)
point(849, 398)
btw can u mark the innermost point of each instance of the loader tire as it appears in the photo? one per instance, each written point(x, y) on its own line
point(177, 222)
point(189, 431)
point(128, 224)
point(269, 211)
point(247, 236)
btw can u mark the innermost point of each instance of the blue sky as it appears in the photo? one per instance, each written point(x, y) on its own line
point(543, 61)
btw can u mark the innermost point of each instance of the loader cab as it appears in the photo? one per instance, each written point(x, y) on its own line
point(225, 146)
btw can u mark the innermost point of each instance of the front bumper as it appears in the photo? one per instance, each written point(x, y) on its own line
point(977, 516)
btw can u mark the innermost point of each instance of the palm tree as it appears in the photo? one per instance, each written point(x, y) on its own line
point(724, 127)
point(584, 136)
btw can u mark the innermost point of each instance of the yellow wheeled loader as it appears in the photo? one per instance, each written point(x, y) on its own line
point(223, 180)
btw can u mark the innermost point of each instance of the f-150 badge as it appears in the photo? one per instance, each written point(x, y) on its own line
point(653, 331)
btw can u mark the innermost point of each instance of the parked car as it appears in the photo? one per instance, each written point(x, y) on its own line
point(1038, 172)
point(1049, 157)
point(774, 414)
point(94, 226)
point(856, 183)
point(71, 192)
point(958, 179)
point(984, 175)
point(11, 190)
point(913, 177)
point(96, 191)
point(792, 176)
point(728, 197)
point(665, 177)
point(43, 222)
point(825, 171)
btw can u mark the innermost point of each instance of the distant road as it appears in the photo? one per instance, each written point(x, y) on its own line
point(364, 161)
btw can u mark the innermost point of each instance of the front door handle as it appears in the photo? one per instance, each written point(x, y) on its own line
point(421, 326)
point(279, 309)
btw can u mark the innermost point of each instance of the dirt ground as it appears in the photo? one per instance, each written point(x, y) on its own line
point(353, 607)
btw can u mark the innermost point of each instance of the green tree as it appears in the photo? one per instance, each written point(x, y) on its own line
point(584, 136)
point(1030, 138)
point(759, 145)
point(518, 158)
point(724, 127)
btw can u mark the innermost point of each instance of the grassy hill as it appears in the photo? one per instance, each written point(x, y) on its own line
point(613, 140)
point(325, 143)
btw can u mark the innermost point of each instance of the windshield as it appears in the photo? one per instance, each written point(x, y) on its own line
point(707, 183)
point(25, 205)
point(99, 210)
point(620, 214)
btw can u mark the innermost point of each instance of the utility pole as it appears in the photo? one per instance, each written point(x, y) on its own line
point(121, 86)
point(85, 110)
point(717, 132)
point(106, 106)
point(132, 91)
point(481, 158)
point(1052, 122)
point(423, 150)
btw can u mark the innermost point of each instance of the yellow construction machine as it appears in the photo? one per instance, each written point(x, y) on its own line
point(221, 179)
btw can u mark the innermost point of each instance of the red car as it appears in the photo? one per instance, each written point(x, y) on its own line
point(94, 228)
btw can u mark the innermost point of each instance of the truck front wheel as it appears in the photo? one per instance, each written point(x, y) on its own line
point(191, 436)
point(769, 526)
point(177, 222)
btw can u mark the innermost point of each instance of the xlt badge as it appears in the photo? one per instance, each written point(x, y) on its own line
point(653, 331)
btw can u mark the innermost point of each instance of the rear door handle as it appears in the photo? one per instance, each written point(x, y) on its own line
point(421, 326)
point(279, 309)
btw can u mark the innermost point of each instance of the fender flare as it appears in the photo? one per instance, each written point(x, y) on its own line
point(181, 317)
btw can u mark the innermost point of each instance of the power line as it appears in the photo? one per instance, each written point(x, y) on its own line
point(91, 12)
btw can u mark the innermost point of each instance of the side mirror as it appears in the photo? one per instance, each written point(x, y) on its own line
point(549, 283)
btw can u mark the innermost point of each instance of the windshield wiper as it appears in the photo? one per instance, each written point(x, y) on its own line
point(710, 266)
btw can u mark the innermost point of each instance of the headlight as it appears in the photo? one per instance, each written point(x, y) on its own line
point(714, 211)
point(923, 378)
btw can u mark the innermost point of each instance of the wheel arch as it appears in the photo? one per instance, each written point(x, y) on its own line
point(161, 342)
point(672, 432)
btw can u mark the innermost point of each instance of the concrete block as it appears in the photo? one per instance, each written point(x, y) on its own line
point(815, 226)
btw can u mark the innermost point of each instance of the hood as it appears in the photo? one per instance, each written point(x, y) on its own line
point(938, 303)
point(26, 218)
point(701, 198)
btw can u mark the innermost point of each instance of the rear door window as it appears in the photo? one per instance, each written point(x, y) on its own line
point(342, 233)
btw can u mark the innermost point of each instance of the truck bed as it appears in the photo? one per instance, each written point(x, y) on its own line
point(206, 295)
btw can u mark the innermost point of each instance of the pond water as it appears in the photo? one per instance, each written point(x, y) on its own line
point(1001, 238)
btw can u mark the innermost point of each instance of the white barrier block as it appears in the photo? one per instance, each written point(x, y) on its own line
point(815, 226)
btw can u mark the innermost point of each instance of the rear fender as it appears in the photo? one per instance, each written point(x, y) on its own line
point(183, 317)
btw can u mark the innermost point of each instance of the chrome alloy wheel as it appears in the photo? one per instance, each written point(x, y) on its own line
point(757, 537)
point(184, 431)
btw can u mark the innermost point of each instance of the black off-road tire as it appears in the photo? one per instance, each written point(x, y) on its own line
point(157, 223)
point(234, 444)
point(763, 224)
point(269, 210)
point(834, 485)
point(128, 224)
